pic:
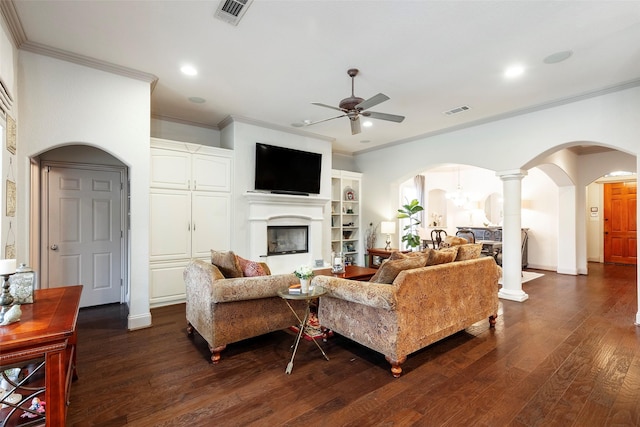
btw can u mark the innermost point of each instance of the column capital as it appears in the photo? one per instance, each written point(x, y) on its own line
point(511, 174)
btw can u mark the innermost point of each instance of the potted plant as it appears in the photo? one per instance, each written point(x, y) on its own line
point(304, 273)
point(410, 211)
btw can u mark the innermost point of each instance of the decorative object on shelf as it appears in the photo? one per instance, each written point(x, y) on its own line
point(349, 194)
point(410, 211)
point(346, 234)
point(436, 220)
point(7, 268)
point(388, 228)
point(349, 210)
point(371, 235)
point(304, 273)
point(337, 264)
point(22, 285)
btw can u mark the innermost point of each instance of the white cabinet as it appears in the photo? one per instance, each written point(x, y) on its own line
point(346, 226)
point(190, 205)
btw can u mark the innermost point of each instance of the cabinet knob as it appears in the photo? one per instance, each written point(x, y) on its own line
point(54, 247)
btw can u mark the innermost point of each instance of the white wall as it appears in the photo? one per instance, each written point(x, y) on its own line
point(64, 103)
point(176, 131)
point(242, 138)
point(518, 142)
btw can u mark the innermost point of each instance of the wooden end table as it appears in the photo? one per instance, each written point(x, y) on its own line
point(45, 337)
point(382, 253)
point(353, 272)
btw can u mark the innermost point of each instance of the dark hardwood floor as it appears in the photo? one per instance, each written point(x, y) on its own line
point(569, 356)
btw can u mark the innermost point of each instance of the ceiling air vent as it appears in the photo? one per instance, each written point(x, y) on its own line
point(457, 110)
point(232, 11)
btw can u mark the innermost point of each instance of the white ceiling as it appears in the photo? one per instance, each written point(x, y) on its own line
point(427, 56)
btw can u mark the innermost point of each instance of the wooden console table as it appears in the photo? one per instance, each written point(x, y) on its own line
point(382, 253)
point(45, 337)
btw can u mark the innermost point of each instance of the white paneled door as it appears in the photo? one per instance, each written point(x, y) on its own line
point(85, 232)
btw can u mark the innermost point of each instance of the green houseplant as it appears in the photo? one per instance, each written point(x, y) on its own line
point(410, 211)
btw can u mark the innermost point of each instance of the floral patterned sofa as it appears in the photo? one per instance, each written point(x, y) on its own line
point(230, 307)
point(419, 307)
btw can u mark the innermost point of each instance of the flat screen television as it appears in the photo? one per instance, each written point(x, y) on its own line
point(287, 171)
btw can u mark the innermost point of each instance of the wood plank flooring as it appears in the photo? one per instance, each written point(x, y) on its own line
point(569, 356)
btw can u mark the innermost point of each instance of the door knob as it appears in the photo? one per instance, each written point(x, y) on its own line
point(54, 247)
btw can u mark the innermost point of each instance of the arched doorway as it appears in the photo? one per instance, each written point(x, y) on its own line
point(83, 222)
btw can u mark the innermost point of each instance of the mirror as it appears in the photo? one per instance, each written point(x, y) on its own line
point(493, 209)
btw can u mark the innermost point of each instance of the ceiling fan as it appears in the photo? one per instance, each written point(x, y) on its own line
point(353, 107)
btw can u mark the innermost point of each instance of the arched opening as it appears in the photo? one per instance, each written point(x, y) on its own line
point(79, 227)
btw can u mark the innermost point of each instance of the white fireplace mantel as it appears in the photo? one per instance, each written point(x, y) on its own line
point(256, 197)
point(283, 209)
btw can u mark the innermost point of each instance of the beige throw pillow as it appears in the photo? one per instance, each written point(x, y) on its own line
point(227, 263)
point(469, 251)
point(391, 268)
point(442, 256)
point(450, 241)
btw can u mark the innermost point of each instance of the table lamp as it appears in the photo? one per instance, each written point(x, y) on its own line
point(7, 268)
point(388, 228)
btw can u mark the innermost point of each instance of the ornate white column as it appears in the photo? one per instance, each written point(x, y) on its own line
point(511, 236)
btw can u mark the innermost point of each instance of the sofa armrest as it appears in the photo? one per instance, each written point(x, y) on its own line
point(372, 294)
point(247, 288)
point(205, 285)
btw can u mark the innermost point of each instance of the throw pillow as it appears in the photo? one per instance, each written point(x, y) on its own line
point(227, 263)
point(391, 268)
point(450, 241)
point(423, 255)
point(469, 251)
point(442, 256)
point(250, 268)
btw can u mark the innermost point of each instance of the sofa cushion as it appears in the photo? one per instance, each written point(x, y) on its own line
point(442, 256)
point(469, 251)
point(251, 268)
point(391, 268)
point(227, 263)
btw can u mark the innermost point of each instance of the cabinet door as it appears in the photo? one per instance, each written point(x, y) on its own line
point(211, 173)
point(170, 169)
point(170, 231)
point(211, 223)
point(166, 285)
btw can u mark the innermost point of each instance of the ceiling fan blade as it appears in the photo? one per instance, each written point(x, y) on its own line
point(355, 126)
point(383, 116)
point(373, 101)
point(325, 120)
point(319, 104)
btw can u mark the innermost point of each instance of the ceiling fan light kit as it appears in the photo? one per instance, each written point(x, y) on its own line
point(353, 107)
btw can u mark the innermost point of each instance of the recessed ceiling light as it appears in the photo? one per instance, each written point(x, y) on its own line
point(554, 58)
point(189, 70)
point(297, 124)
point(197, 100)
point(514, 71)
point(367, 123)
point(365, 141)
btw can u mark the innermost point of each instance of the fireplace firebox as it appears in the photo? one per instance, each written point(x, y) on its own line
point(287, 239)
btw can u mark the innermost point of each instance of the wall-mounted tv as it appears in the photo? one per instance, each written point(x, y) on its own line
point(287, 171)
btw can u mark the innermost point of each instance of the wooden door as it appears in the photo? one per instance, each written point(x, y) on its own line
point(85, 232)
point(620, 224)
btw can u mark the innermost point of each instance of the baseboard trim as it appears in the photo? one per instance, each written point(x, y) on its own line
point(139, 321)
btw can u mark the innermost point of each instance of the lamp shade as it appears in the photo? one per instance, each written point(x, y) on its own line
point(388, 227)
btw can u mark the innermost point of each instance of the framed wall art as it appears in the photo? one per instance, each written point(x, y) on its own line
point(11, 135)
point(11, 198)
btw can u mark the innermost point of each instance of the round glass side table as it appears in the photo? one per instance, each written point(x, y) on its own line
point(314, 293)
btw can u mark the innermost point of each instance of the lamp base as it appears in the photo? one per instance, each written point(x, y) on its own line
point(388, 247)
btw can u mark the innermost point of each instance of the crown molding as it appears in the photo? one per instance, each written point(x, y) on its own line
point(240, 119)
point(8, 9)
point(87, 61)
